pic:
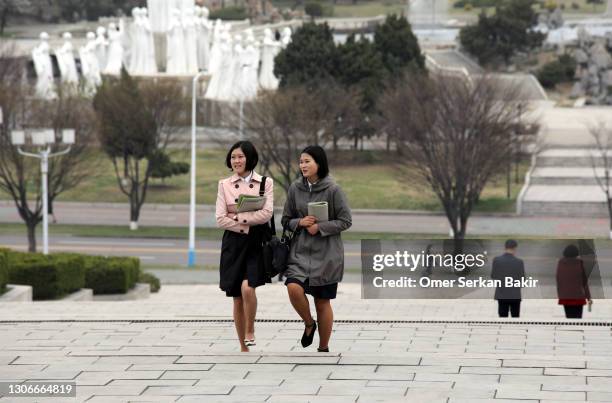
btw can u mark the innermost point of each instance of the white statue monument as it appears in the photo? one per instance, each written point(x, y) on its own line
point(191, 41)
point(149, 66)
point(89, 65)
point(176, 61)
point(115, 51)
point(270, 48)
point(45, 87)
point(222, 74)
point(101, 46)
point(286, 37)
point(215, 50)
point(160, 12)
point(249, 82)
point(65, 61)
point(204, 35)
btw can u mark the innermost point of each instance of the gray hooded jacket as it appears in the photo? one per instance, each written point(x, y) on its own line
point(319, 258)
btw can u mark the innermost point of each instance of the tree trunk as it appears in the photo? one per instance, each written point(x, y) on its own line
point(134, 213)
point(31, 225)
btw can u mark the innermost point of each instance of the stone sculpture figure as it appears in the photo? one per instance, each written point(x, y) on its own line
point(270, 48)
point(215, 50)
point(115, 51)
point(101, 46)
point(191, 42)
point(176, 61)
point(45, 87)
point(89, 65)
point(204, 33)
point(149, 66)
point(65, 61)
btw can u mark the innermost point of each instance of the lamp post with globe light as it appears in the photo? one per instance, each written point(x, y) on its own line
point(43, 139)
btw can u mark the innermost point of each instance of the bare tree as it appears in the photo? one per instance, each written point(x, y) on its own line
point(135, 121)
point(456, 133)
point(601, 161)
point(20, 177)
point(282, 123)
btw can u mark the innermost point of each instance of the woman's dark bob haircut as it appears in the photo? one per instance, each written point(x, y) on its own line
point(318, 155)
point(252, 158)
point(571, 251)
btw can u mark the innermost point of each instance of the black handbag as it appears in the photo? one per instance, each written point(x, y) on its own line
point(275, 251)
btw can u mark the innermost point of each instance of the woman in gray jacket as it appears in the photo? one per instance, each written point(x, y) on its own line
point(316, 259)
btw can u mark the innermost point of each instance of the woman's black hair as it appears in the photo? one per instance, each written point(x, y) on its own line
point(571, 251)
point(318, 155)
point(252, 158)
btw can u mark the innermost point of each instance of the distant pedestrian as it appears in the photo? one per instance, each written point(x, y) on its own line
point(508, 266)
point(572, 283)
point(50, 209)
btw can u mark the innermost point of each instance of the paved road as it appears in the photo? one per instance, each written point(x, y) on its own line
point(404, 222)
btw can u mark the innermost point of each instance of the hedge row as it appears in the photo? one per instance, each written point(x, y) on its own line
point(53, 276)
point(3, 270)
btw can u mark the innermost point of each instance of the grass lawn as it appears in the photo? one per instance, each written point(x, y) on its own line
point(583, 8)
point(375, 185)
point(367, 8)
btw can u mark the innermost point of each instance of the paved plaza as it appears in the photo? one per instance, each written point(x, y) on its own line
point(179, 345)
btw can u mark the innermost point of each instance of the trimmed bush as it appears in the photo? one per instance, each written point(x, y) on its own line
point(111, 275)
point(558, 71)
point(150, 279)
point(51, 276)
point(229, 13)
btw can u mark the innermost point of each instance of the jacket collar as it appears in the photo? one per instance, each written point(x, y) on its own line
point(256, 177)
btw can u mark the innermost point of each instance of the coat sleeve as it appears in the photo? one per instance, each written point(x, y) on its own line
point(342, 212)
point(291, 218)
point(585, 281)
point(223, 221)
point(265, 214)
point(494, 269)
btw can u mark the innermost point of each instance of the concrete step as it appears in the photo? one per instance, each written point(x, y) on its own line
point(564, 201)
point(570, 157)
point(565, 176)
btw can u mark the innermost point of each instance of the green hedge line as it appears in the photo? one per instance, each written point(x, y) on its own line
point(51, 276)
point(58, 274)
point(3, 270)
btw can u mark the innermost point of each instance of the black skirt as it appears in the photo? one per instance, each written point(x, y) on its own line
point(241, 259)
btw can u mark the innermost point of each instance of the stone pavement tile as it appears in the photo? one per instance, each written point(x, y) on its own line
point(84, 390)
point(313, 399)
point(170, 367)
point(423, 393)
point(196, 374)
point(502, 370)
point(539, 395)
point(607, 364)
point(398, 359)
point(103, 378)
point(414, 384)
point(599, 396)
point(321, 359)
point(465, 378)
point(8, 359)
point(578, 372)
point(463, 400)
point(303, 388)
point(416, 369)
point(497, 386)
point(89, 367)
point(130, 399)
point(472, 362)
point(229, 381)
point(531, 363)
point(221, 399)
point(137, 359)
point(351, 387)
point(187, 390)
point(56, 358)
point(219, 359)
point(544, 379)
point(152, 382)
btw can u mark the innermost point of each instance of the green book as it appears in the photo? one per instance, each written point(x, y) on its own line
point(250, 203)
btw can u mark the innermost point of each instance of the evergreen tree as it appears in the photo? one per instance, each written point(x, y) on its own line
point(398, 46)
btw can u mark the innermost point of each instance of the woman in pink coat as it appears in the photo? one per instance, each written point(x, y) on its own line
point(241, 268)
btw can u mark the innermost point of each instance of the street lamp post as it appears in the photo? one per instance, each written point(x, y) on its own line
point(43, 138)
point(192, 196)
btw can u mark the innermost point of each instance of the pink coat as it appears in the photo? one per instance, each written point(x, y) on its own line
point(227, 199)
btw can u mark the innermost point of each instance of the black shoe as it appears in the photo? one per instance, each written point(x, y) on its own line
point(308, 338)
point(323, 350)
